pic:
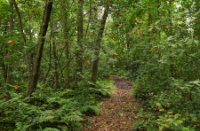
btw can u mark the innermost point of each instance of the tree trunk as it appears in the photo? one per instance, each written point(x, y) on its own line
point(98, 44)
point(2, 61)
point(20, 20)
point(79, 51)
point(196, 24)
point(41, 40)
point(8, 66)
point(170, 28)
point(55, 56)
point(51, 38)
point(56, 67)
point(66, 42)
point(89, 20)
point(11, 21)
point(27, 56)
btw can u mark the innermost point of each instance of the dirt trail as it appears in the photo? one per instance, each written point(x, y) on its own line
point(118, 112)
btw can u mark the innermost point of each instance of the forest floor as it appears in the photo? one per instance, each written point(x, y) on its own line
point(118, 112)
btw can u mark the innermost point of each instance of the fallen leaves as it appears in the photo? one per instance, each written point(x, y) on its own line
point(118, 112)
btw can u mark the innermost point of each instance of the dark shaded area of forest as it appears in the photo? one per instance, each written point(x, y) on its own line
point(57, 58)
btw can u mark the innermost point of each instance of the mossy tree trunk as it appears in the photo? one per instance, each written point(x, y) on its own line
point(98, 44)
point(79, 50)
point(66, 41)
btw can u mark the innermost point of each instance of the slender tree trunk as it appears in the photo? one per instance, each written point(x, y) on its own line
point(159, 18)
point(79, 51)
point(170, 28)
point(4, 74)
point(170, 32)
point(27, 56)
point(66, 42)
point(196, 23)
point(89, 20)
point(11, 22)
point(3, 64)
point(98, 44)
point(41, 40)
point(6, 69)
point(55, 56)
point(51, 37)
point(20, 20)
point(30, 54)
point(56, 77)
point(10, 27)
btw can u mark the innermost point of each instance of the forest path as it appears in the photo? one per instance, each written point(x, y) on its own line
point(118, 111)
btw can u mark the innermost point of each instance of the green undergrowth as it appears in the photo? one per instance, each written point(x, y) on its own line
point(173, 109)
point(53, 110)
point(168, 84)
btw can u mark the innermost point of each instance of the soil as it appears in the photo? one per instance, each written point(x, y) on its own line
point(118, 112)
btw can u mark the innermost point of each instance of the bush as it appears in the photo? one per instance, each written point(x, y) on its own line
point(50, 109)
point(168, 86)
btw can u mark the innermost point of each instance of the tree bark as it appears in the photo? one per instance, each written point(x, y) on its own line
point(55, 55)
point(89, 20)
point(28, 60)
point(41, 40)
point(66, 42)
point(20, 20)
point(196, 23)
point(9, 67)
point(98, 44)
point(56, 67)
point(11, 21)
point(79, 51)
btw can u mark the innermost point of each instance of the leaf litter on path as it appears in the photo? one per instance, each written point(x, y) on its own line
point(118, 112)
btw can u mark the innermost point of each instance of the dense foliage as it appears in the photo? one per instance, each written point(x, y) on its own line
point(165, 57)
point(53, 109)
point(54, 55)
